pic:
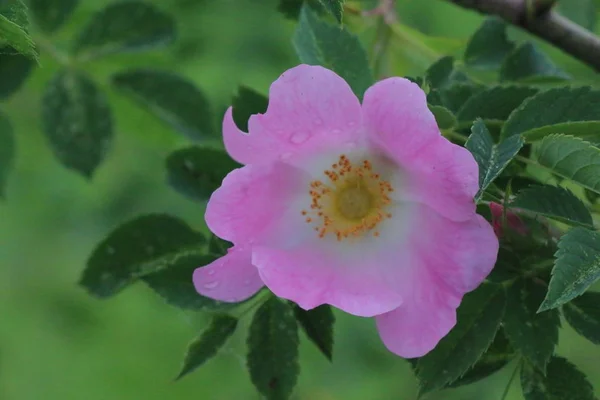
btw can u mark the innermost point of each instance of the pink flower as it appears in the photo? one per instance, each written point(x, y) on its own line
point(363, 207)
point(513, 221)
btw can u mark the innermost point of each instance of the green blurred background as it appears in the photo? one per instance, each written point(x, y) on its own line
point(56, 342)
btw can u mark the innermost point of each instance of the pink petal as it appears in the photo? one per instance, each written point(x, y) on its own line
point(310, 108)
point(231, 278)
point(251, 198)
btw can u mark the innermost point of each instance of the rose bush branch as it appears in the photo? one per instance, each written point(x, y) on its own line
point(538, 18)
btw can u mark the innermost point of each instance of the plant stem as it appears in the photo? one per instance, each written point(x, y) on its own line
point(510, 381)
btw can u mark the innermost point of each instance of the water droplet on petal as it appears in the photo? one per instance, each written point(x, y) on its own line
point(247, 282)
point(286, 156)
point(336, 131)
point(351, 124)
point(318, 121)
point(210, 272)
point(299, 137)
point(280, 132)
point(351, 145)
point(211, 285)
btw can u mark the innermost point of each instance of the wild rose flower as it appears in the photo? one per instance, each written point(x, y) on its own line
point(366, 208)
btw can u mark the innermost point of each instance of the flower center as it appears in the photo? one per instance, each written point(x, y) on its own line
point(351, 203)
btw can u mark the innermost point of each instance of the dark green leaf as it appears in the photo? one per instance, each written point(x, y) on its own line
point(554, 106)
point(494, 359)
point(217, 246)
point(478, 319)
point(172, 98)
point(318, 325)
point(563, 381)
point(491, 158)
point(571, 158)
point(554, 202)
point(7, 152)
point(576, 268)
point(335, 7)
point(444, 117)
point(534, 335)
point(319, 43)
point(582, 12)
point(77, 121)
point(494, 103)
point(273, 350)
point(583, 314)
point(14, 70)
point(528, 62)
point(142, 246)
point(50, 15)
point(443, 74)
point(291, 8)
point(208, 344)
point(175, 285)
point(248, 102)
point(489, 46)
point(125, 26)
point(587, 130)
point(453, 97)
point(196, 172)
point(13, 28)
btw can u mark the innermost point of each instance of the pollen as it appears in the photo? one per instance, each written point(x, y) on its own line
point(351, 203)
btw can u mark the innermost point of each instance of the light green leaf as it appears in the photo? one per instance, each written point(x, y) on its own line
point(50, 15)
point(13, 28)
point(582, 12)
point(554, 106)
point(142, 246)
point(15, 68)
point(335, 7)
point(318, 325)
point(587, 130)
point(489, 46)
point(124, 27)
point(196, 172)
point(172, 98)
point(77, 121)
point(527, 62)
point(7, 152)
point(478, 319)
point(571, 158)
point(273, 350)
point(247, 102)
point(491, 158)
point(563, 381)
point(583, 314)
point(318, 43)
point(534, 335)
point(576, 268)
point(554, 202)
point(208, 344)
point(444, 117)
point(495, 103)
point(175, 285)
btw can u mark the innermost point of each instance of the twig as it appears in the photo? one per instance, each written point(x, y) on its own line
point(538, 18)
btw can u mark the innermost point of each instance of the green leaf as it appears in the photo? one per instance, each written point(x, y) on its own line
point(77, 121)
point(571, 158)
point(7, 152)
point(489, 46)
point(582, 12)
point(15, 68)
point(583, 314)
point(318, 43)
point(273, 350)
point(124, 27)
point(291, 8)
point(444, 117)
point(175, 285)
point(534, 335)
point(491, 158)
point(587, 130)
point(335, 7)
point(196, 172)
point(172, 98)
point(494, 359)
point(208, 344)
point(554, 202)
point(13, 28)
point(495, 103)
point(478, 319)
point(246, 103)
point(217, 246)
point(527, 62)
point(453, 97)
point(142, 246)
point(563, 381)
point(554, 106)
point(318, 325)
point(50, 15)
point(576, 268)
point(443, 74)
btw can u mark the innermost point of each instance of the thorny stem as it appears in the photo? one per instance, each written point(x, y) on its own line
point(510, 381)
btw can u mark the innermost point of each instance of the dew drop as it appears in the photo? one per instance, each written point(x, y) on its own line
point(351, 124)
point(247, 282)
point(299, 137)
point(318, 121)
point(351, 145)
point(211, 272)
point(211, 285)
point(285, 156)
